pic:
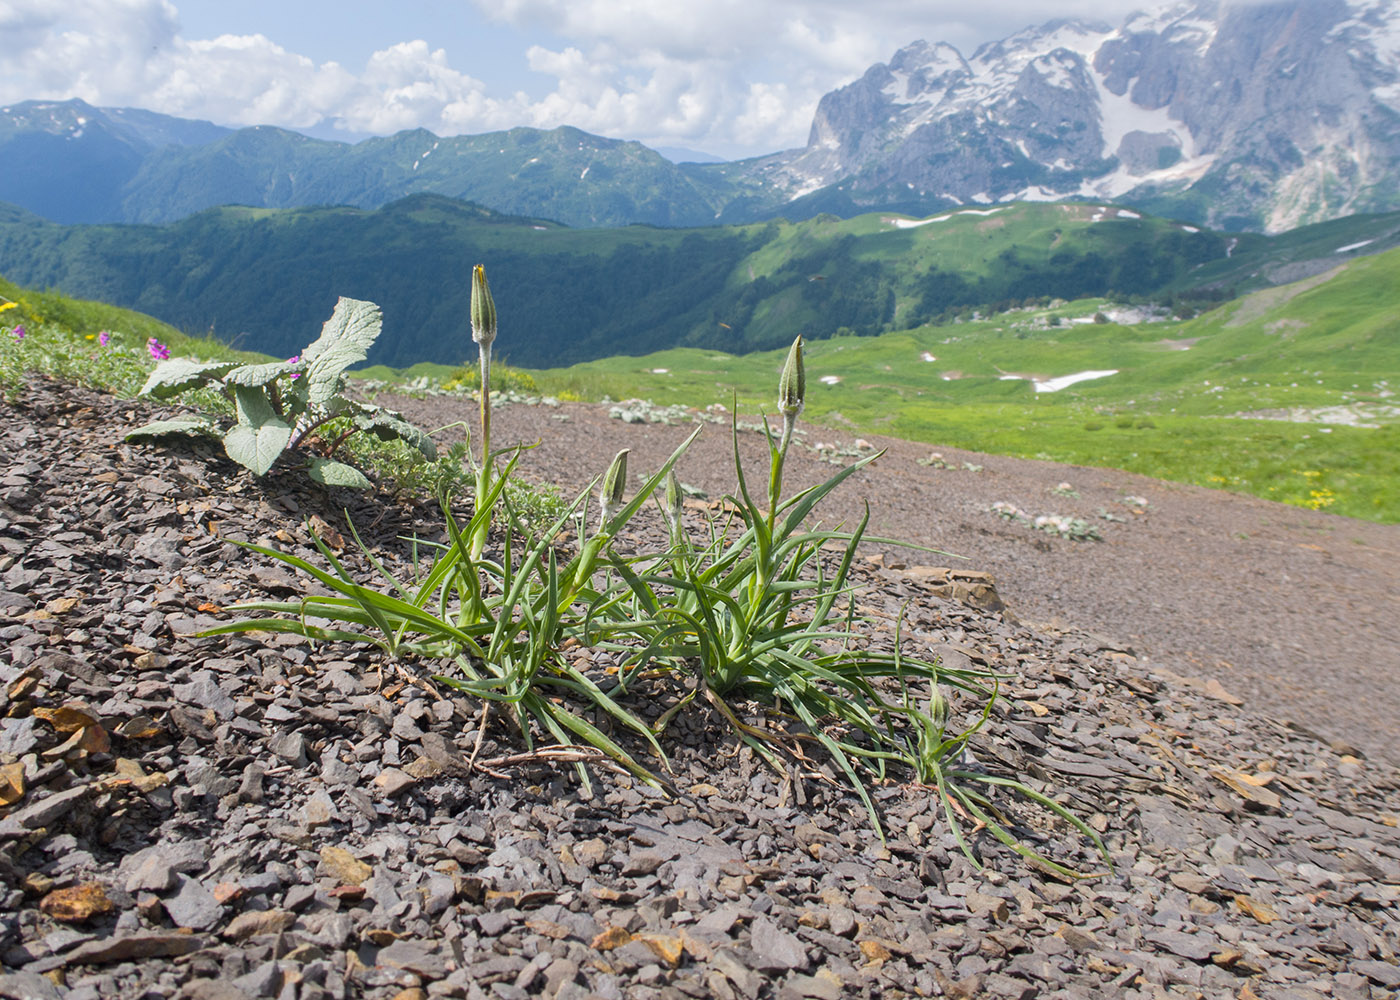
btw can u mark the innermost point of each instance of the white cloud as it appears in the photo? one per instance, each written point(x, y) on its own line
point(734, 76)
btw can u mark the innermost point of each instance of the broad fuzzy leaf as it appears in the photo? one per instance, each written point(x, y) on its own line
point(345, 340)
point(182, 425)
point(173, 377)
point(332, 473)
point(260, 435)
point(388, 425)
point(257, 375)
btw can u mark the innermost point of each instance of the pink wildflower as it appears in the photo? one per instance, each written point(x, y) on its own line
point(158, 350)
point(18, 332)
point(103, 338)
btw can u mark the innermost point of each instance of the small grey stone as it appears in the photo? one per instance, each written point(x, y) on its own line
point(45, 811)
point(391, 781)
point(204, 691)
point(1007, 988)
point(1226, 850)
point(335, 771)
point(642, 863)
point(264, 981)
point(775, 950)
point(250, 789)
point(406, 729)
point(1166, 827)
point(291, 747)
point(343, 682)
point(260, 882)
point(19, 736)
point(212, 989)
point(193, 905)
point(414, 958)
point(298, 897)
point(809, 988)
point(495, 923)
point(733, 968)
point(1384, 973)
point(28, 986)
point(125, 947)
point(558, 973)
point(164, 552)
point(841, 921)
point(318, 810)
point(154, 873)
point(718, 920)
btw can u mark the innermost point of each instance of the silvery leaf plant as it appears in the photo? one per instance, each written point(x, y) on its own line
point(281, 406)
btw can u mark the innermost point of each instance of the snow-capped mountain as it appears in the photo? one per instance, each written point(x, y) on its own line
point(1238, 114)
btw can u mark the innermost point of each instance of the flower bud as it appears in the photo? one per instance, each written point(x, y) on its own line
point(614, 485)
point(674, 499)
point(792, 384)
point(483, 308)
point(938, 708)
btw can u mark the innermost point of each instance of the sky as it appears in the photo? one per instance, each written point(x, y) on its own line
point(731, 78)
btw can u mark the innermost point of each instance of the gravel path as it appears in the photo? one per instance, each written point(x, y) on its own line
point(255, 817)
point(1297, 612)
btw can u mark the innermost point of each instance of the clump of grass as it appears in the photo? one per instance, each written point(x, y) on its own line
point(504, 378)
point(760, 608)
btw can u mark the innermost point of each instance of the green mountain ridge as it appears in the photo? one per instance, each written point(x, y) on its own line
point(261, 278)
point(1291, 393)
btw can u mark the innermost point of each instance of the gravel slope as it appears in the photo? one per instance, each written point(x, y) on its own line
point(226, 819)
point(1295, 611)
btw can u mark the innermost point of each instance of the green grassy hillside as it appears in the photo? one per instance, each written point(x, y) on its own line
point(1186, 402)
point(92, 343)
point(263, 278)
point(1238, 398)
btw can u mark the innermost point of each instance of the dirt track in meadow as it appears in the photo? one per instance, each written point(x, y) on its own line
point(1296, 612)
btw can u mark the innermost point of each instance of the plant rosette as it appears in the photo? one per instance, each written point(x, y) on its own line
point(285, 405)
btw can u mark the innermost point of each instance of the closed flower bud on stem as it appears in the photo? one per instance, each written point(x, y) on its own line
point(792, 390)
point(673, 502)
point(938, 708)
point(483, 308)
point(792, 384)
point(614, 485)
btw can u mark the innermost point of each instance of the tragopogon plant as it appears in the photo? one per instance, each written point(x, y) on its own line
point(283, 405)
point(496, 623)
point(754, 612)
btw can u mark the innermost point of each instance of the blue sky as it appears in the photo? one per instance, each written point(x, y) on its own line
point(730, 77)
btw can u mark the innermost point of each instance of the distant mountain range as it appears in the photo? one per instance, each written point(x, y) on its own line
point(1258, 115)
point(265, 279)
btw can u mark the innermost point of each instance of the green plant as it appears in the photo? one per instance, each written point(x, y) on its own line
point(501, 621)
point(753, 611)
point(282, 405)
point(758, 609)
point(504, 378)
point(942, 760)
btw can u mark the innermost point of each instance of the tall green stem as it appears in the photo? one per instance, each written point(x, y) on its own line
point(483, 469)
point(483, 320)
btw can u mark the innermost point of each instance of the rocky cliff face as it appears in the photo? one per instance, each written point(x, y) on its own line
point(1246, 115)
